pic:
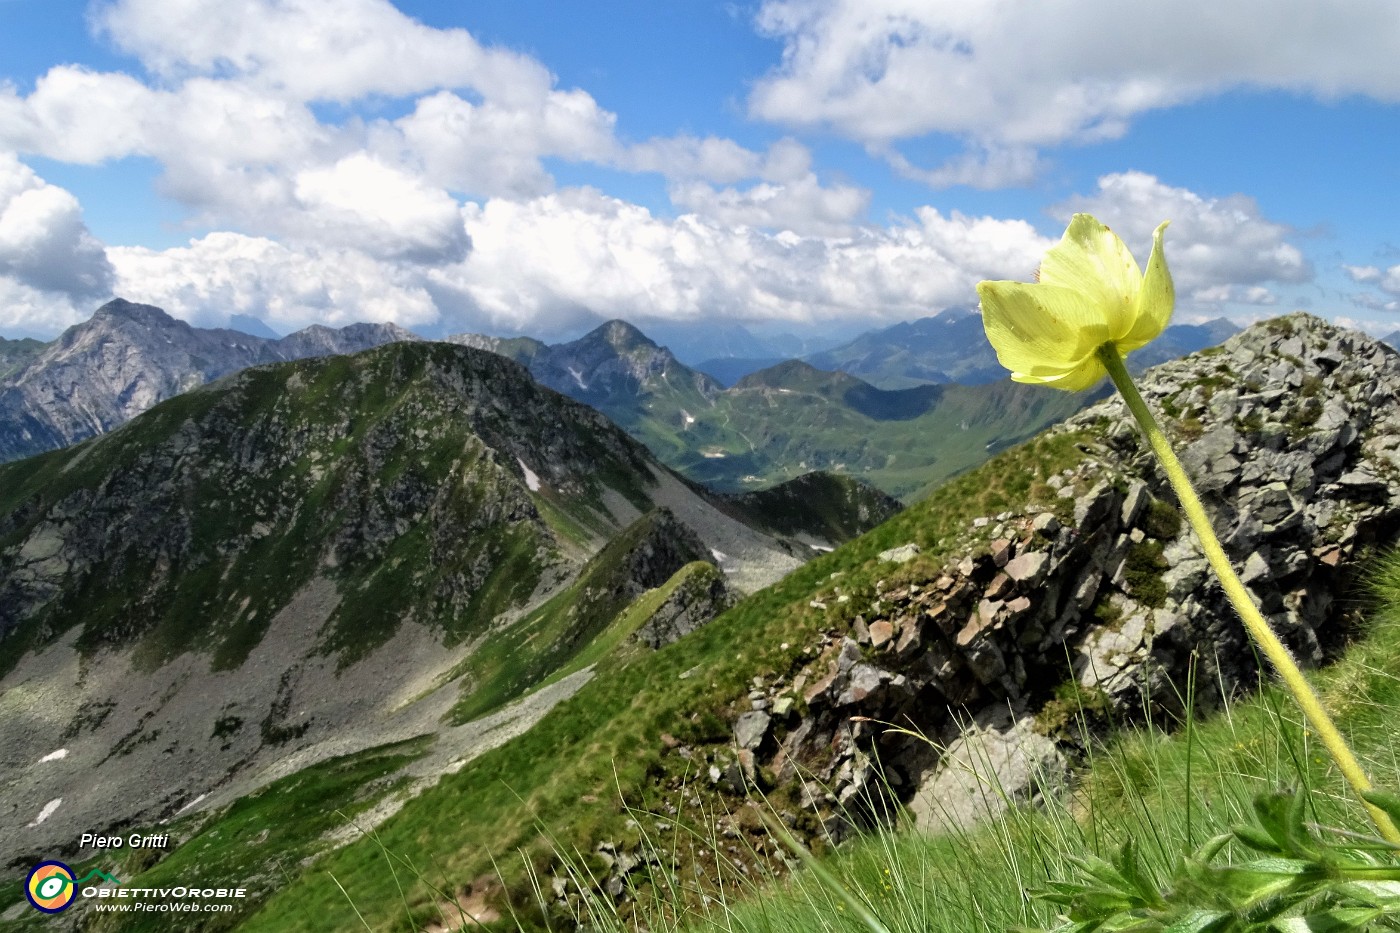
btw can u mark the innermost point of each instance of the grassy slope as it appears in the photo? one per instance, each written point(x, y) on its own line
point(777, 428)
point(516, 660)
point(567, 770)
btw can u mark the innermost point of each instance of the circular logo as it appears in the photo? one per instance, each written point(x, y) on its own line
point(50, 887)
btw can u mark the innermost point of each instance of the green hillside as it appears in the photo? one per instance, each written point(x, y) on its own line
point(782, 422)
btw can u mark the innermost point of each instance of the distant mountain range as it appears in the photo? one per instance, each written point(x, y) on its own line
point(125, 359)
point(789, 419)
point(950, 347)
point(880, 408)
point(1393, 340)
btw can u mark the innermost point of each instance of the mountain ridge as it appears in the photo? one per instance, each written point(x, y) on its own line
point(127, 357)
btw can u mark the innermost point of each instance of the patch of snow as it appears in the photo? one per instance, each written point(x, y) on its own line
point(712, 454)
point(190, 804)
point(818, 547)
point(47, 812)
point(578, 377)
point(59, 755)
point(689, 418)
point(532, 479)
point(719, 555)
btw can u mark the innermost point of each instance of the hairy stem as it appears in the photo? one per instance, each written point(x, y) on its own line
point(1264, 636)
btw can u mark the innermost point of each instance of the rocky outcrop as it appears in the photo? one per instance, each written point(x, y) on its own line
point(698, 598)
point(1096, 597)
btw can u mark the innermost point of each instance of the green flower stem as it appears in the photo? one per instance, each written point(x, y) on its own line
point(1254, 622)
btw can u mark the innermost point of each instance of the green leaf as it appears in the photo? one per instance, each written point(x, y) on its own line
point(1257, 839)
point(1130, 868)
point(1330, 921)
point(1281, 815)
point(1199, 921)
point(1211, 848)
point(1388, 802)
point(1256, 881)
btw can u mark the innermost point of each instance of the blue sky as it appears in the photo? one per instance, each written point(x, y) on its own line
point(538, 167)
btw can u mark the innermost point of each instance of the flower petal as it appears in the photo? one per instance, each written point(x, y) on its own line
point(1092, 261)
point(1081, 377)
point(1040, 331)
point(1154, 301)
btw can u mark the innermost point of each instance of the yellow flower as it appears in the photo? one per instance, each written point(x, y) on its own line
point(1089, 292)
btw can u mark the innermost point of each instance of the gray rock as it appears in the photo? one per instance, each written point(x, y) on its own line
point(1027, 567)
point(900, 555)
point(983, 771)
point(751, 729)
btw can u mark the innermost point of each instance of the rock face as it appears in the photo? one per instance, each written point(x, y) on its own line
point(987, 768)
point(128, 357)
point(1291, 431)
point(700, 597)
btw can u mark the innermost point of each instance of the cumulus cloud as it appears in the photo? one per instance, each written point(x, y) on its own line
point(313, 50)
point(1387, 281)
point(492, 148)
point(987, 168)
point(363, 203)
point(574, 256)
point(1220, 249)
point(224, 274)
point(1020, 76)
point(44, 244)
point(230, 116)
point(1364, 275)
point(802, 206)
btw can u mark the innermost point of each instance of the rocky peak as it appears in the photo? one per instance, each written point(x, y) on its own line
point(119, 309)
point(623, 337)
point(616, 360)
point(798, 376)
point(129, 356)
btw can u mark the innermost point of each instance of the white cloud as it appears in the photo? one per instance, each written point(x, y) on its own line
point(1365, 275)
point(1386, 280)
point(987, 168)
point(78, 115)
point(44, 244)
point(312, 50)
point(363, 203)
point(1383, 279)
point(575, 256)
point(1026, 75)
point(803, 206)
point(717, 160)
point(226, 273)
point(1218, 249)
point(493, 149)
